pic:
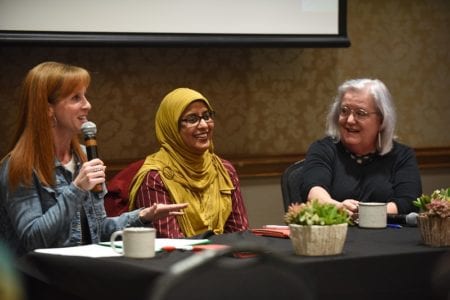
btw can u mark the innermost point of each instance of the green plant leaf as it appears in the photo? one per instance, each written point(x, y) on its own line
point(316, 213)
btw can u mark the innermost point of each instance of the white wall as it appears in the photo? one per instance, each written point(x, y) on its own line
point(263, 200)
point(435, 179)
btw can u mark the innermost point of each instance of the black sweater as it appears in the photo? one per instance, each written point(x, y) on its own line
point(392, 177)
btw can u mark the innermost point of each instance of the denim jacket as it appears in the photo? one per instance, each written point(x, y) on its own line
point(39, 216)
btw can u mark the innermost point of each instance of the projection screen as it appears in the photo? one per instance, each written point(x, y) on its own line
point(175, 22)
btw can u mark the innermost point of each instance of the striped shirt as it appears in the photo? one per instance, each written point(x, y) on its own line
point(153, 191)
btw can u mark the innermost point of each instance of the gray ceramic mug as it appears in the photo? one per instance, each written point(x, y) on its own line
point(138, 242)
point(372, 214)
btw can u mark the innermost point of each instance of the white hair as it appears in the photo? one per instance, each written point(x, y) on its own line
point(383, 101)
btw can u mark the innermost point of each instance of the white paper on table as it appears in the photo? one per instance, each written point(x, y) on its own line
point(92, 250)
point(161, 243)
point(104, 250)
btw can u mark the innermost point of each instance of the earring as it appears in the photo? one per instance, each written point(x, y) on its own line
point(379, 141)
point(55, 121)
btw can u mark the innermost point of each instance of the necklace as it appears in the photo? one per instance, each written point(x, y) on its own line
point(360, 159)
point(363, 158)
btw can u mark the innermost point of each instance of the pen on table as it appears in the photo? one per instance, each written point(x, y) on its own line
point(173, 248)
point(398, 226)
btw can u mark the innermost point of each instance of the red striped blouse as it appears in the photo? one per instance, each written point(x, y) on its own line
point(153, 191)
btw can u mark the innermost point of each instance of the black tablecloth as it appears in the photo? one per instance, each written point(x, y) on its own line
point(375, 264)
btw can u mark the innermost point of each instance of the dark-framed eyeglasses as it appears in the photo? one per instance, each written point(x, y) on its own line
point(194, 120)
point(358, 113)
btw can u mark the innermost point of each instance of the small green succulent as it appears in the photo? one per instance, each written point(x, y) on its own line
point(316, 213)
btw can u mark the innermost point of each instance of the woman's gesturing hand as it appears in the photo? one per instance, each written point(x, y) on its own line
point(158, 211)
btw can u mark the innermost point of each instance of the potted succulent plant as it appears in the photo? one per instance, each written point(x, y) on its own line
point(317, 228)
point(434, 217)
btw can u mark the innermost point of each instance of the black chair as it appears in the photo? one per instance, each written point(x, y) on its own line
point(291, 181)
point(218, 275)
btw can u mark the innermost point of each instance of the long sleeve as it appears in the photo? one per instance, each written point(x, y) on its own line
point(393, 177)
point(406, 180)
point(238, 219)
point(37, 216)
point(153, 191)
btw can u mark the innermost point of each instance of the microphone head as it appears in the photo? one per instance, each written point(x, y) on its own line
point(89, 129)
point(411, 219)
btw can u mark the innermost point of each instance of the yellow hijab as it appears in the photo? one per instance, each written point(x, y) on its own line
point(200, 180)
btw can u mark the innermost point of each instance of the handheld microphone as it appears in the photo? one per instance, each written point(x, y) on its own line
point(89, 131)
point(408, 220)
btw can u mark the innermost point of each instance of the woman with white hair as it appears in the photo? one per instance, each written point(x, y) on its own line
point(359, 159)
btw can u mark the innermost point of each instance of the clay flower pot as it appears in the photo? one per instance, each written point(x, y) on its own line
point(318, 240)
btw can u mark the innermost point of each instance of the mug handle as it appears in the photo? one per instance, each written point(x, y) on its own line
point(114, 236)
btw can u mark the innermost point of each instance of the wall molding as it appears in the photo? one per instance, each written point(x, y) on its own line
point(274, 165)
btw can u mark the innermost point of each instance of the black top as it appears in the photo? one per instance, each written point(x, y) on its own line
point(392, 177)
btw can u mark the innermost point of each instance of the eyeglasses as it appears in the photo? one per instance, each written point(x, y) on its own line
point(193, 120)
point(358, 113)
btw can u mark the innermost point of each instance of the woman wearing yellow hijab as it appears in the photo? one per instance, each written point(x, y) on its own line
point(186, 170)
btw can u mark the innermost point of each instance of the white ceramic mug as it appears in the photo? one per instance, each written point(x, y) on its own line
point(138, 242)
point(372, 215)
